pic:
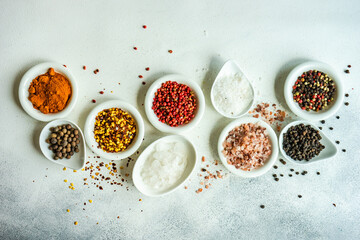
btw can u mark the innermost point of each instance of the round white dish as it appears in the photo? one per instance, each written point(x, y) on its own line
point(192, 161)
point(329, 151)
point(31, 74)
point(231, 68)
point(77, 161)
point(312, 115)
point(163, 127)
point(90, 123)
point(274, 148)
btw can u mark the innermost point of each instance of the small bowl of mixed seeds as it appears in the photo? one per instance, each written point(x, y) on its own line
point(114, 130)
point(302, 142)
point(62, 141)
point(314, 91)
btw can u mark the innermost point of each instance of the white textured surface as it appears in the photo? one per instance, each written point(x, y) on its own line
point(266, 39)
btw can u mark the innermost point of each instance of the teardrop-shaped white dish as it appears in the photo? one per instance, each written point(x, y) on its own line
point(77, 161)
point(230, 69)
point(329, 151)
point(191, 163)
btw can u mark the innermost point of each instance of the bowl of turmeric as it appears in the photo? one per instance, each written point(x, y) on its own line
point(48, 91)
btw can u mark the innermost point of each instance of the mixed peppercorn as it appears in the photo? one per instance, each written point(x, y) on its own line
point(314, 90)
point(174, 104)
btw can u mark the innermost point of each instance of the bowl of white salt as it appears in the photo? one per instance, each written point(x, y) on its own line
point(164, 165)
point(232, 94)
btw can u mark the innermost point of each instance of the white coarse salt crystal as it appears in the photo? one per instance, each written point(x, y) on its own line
point(165, 165)
point(232, 94)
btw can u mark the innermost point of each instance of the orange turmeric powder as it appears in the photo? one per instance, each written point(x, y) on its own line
point(50, 92)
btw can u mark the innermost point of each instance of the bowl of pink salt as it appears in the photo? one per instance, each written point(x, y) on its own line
point(248, 147)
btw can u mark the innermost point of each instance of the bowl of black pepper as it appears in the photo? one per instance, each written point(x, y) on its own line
point(62, 142)
point(302, 142)
point(314, 91)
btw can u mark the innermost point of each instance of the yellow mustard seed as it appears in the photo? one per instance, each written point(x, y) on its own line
point(68, 210)
point(74, 171)
point(114, 130)
point(64, 168)
point(76, 223)
point(90, 201)
point(71, 184)
point(65, 180)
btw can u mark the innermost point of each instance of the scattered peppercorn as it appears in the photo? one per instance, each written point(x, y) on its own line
point(299, 196)
point(291, 170)
point(297, 173)
point(290, 175)
point(174, 104)
point(337, 117)
point(349, 66)
point(143, 83)
point(276, 179)
point(318, 173)
point(320, 128)
point(337, 142)
point(346, 104)
point(346, 95)
point(262, 206)
point(331, 128)
point(322, 121)
point(94, 101)
point(347, 71)
point(282, 161)
point(275, 166)
point(274, 175)
point(344, 150)
point(281, 175)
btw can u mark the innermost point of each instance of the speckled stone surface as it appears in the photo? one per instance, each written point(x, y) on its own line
point(266, 39)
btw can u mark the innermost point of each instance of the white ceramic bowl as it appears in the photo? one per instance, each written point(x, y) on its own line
point(230, 69)
point(90, 123)
point(274, 147)
point(163, 127)
point(142, 187)
point(31, 74)
point(77, 161)
point(332, 108)
point(329, 151)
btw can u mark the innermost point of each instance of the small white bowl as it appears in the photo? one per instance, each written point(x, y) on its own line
point(332, 108)
point(77, 161)
point(229, 69)
point(274, 148)
point(163, 127)
point(142, 187)
point(31, 74)
point(90, 124)
point(329, 151)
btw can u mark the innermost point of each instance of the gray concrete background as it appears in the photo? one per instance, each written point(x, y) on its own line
point(266, 39)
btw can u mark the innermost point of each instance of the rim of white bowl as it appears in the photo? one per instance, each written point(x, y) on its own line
point(40, 69)
point(154, 119)
point(274, 147)
point(89, 129)
point(136, 178)
point(242, 76)
point(311, 115)
point(281, 139)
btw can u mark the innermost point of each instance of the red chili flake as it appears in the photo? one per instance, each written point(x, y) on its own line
point(170, 51)
point(94, 101)
point(349, 66)
point(203, 159)
point(144, 26)
point(147, 69)
point(64, 65)
point(101, 92)
point(96, 71)
point(140, 76)
point(84, 67)
point(199, 190)
point(135, 48)
point(143, 83)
